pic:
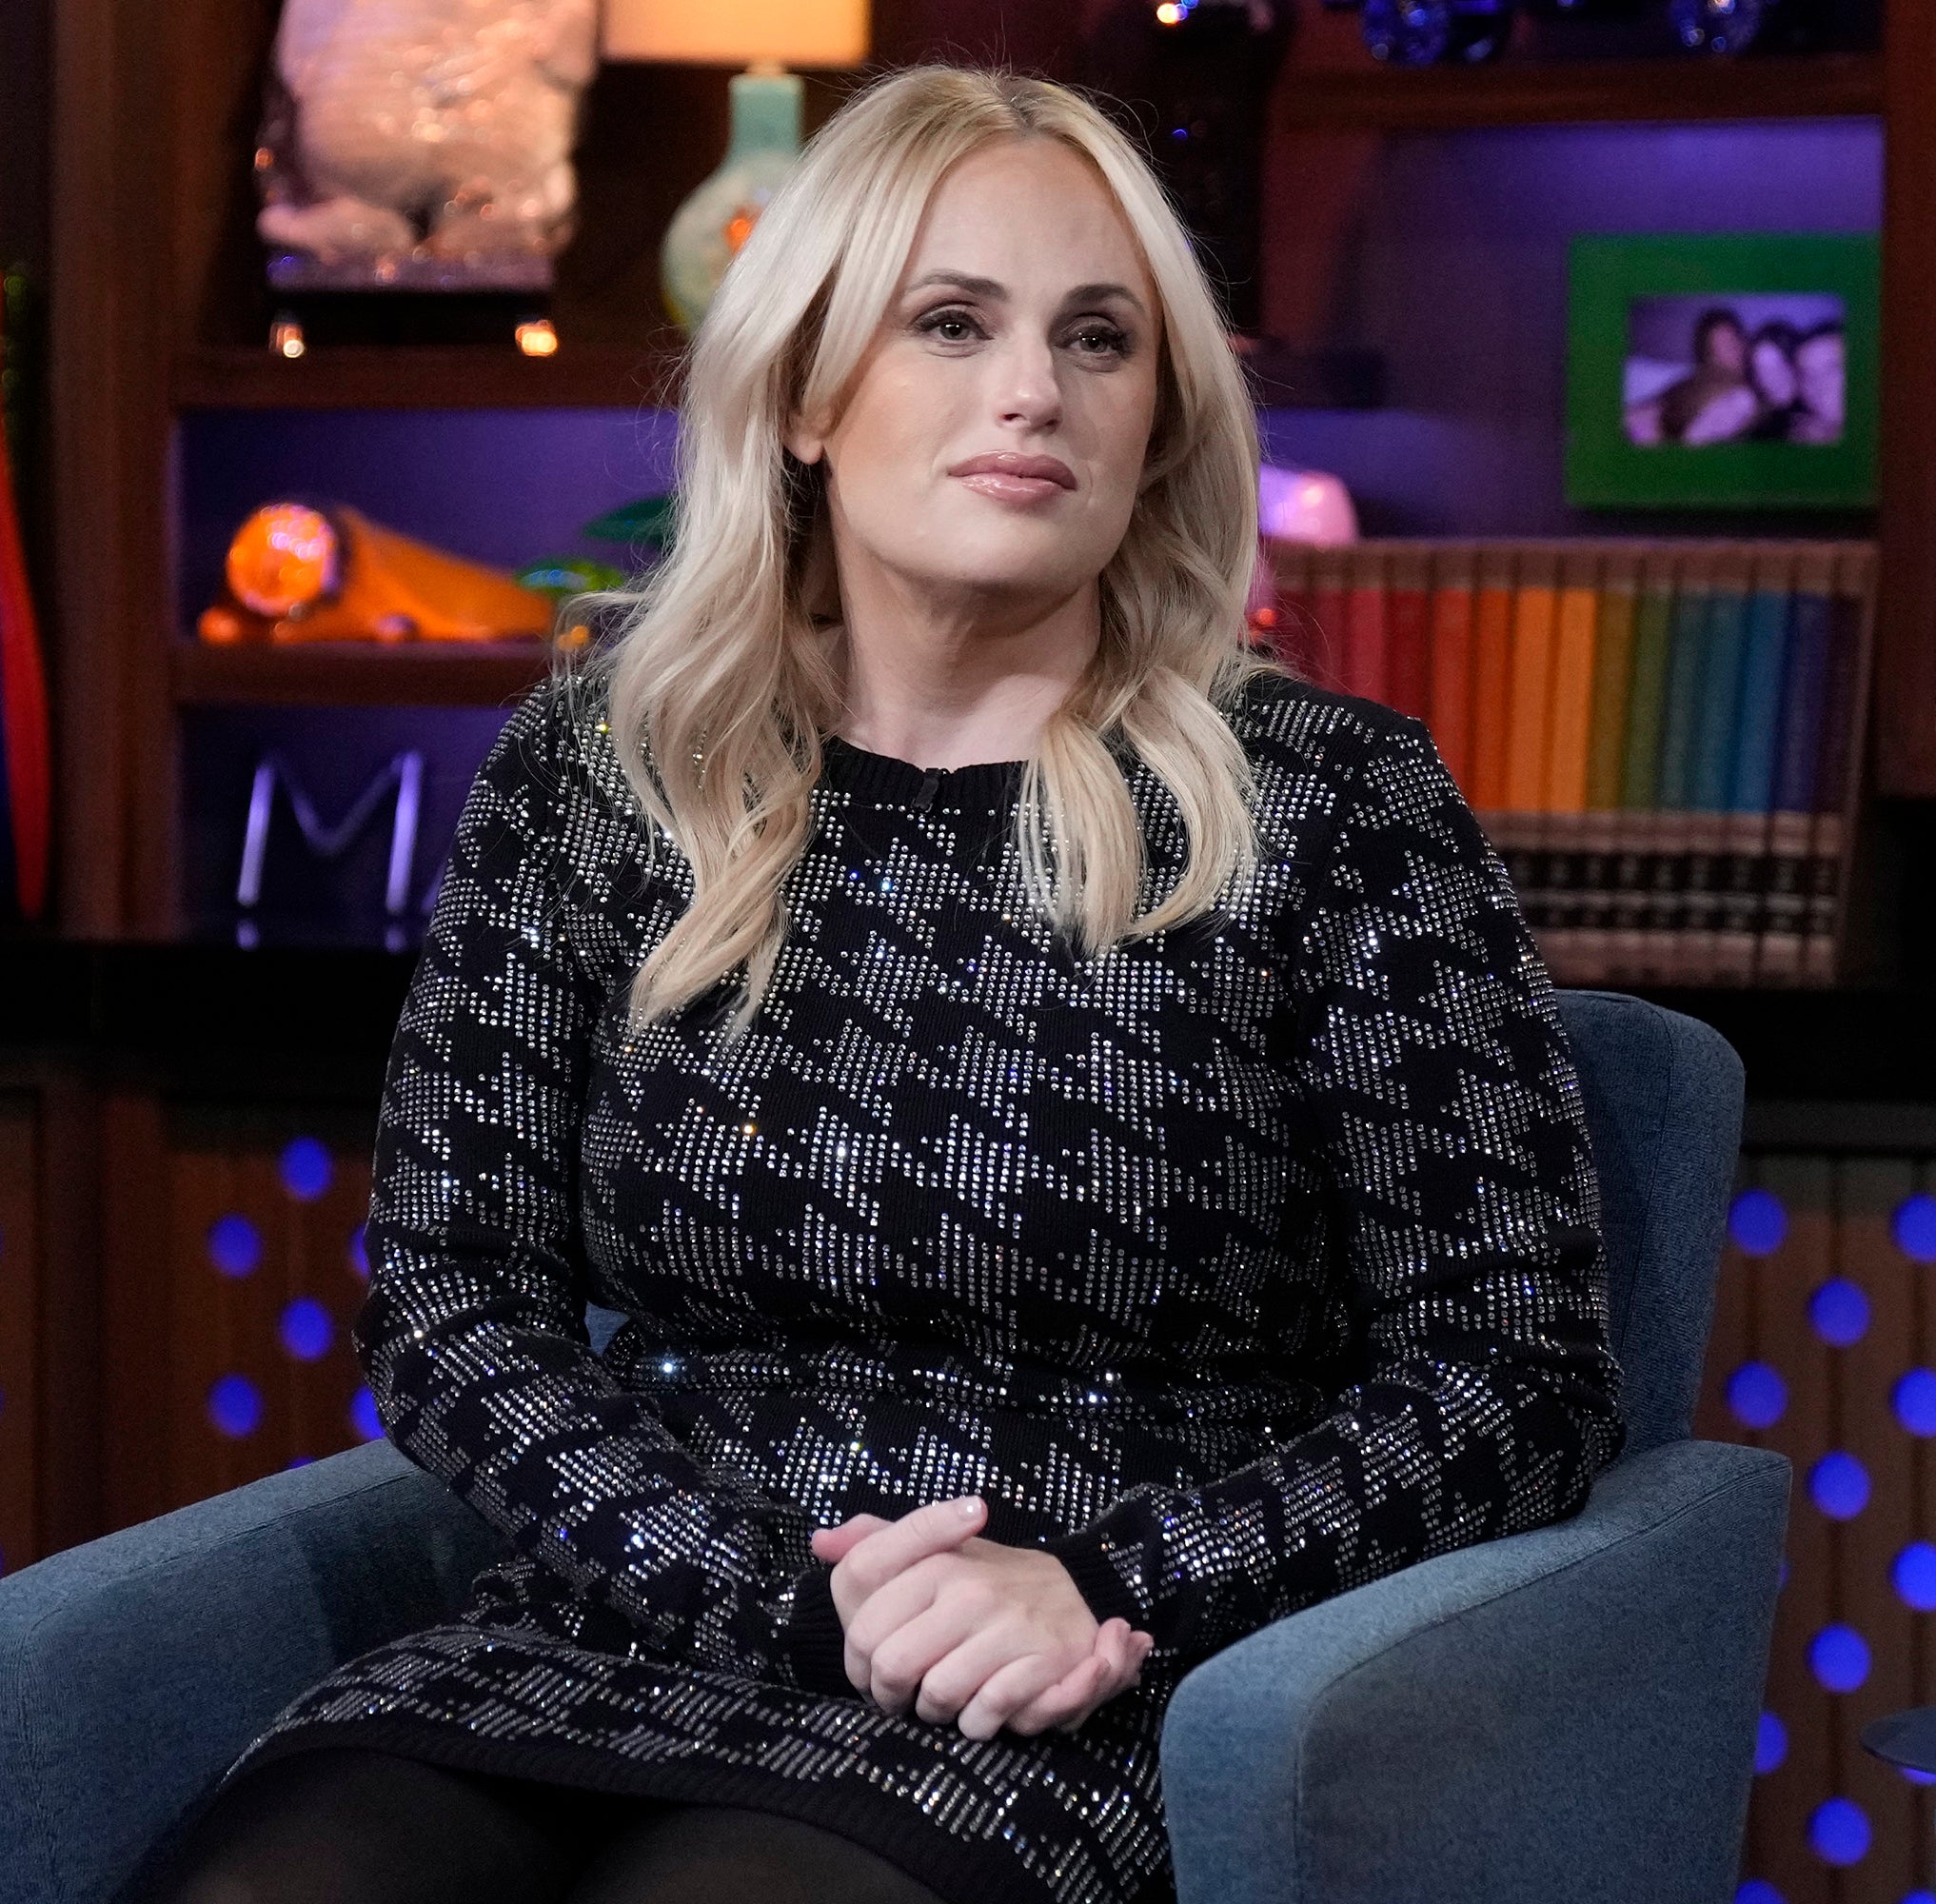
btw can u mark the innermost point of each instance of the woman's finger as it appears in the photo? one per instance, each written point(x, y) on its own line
point(833, 1544)
point(900, 1663)
point(1006, 1693)
point(1068, 1697)
point(939, 1528)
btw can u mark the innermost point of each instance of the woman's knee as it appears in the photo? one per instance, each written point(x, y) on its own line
point(343, 1825)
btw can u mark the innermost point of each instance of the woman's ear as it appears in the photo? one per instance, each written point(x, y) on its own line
point(802, 442)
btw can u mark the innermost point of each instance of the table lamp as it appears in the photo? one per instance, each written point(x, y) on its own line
point(772, 35)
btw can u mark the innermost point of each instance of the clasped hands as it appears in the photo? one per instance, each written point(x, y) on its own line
point(960, 1628)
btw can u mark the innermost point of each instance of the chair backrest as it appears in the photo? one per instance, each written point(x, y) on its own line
point(1664, 1099)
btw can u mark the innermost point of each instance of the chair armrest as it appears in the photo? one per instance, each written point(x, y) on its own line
point(133, 1669)
point(1565, 1714)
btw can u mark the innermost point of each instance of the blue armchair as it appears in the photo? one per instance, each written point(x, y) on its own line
point(1566, 1714)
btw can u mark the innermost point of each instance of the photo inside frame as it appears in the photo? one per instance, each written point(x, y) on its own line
point(1707, 368)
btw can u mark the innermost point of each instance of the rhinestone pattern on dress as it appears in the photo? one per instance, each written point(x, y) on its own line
point(1241, 1265)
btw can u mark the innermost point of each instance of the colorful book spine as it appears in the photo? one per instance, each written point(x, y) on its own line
point(1751, 785)
point(1328, 613)
point(1785, 919)
point(1570, 746)
point(1838, 771)
point(1455, 578)
point(1587, 957)
point(1654, 610)
point(1673, 789)
point(1408, 630)
point(1367, 669)
point(1528, 724)
point(1710, 765)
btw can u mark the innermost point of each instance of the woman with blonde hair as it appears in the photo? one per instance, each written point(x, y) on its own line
point(1073, 1116)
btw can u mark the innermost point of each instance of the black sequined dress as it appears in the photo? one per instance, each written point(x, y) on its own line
point(1241, 1265)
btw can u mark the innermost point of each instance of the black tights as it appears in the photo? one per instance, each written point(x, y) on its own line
point(346, 1825)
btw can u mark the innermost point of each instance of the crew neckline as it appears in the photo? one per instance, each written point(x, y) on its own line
point(892, 782)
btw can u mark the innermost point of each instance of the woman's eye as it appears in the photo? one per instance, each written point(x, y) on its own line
point(1102, 340)
point(951, 327)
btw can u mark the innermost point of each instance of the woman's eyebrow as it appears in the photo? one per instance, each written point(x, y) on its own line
point(989, 288)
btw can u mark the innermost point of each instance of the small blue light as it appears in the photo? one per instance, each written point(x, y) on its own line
point(363, 1416)
point(1914, 1228)
point(1917, 1776)
point(1757, 1222)
point(1757, 1395)
point(1771, 1743)
point(301, 1460)
point(358, 1253)
point(1838, 1827)
point(1757, 1891)
point(1914, 1400)
point(234, 1245)
point(307, 1330)
point(307, 1169)
point(234, 1406)
point(1838, 1657)
point(1839, 1312)
point(1914, 1573)
point(1838, 1484)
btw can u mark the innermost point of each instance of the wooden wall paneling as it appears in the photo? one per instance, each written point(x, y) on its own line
point(1784, 1797)
point(109, 345)
point(20, 1284)
point(136, 1345)
point(1906, 609)
point(1869, 1190)
point(72, 1314)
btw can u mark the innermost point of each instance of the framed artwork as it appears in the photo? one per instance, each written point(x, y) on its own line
point(1737, 370)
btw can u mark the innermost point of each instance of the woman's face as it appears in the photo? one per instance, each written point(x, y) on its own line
point(1726, 347)
point(1774, 375)
point(989, 447)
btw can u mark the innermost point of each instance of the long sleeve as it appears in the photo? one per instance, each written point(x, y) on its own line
point(1430, 1053)
point(472, 1336)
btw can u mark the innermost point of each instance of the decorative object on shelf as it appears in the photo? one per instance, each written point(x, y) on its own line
point(715, 221)
point(328, 843)
point(1204, 68)
point(562, 578)
point(1433, 33)
point(413, 147)
point(648, 523)
point(1308, 505)
point(27, 772)
point(1662, 739)
point(1452, 33)
point(1733, 369)
point(299, 571)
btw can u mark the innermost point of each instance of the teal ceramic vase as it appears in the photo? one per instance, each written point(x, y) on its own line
point(712, 225)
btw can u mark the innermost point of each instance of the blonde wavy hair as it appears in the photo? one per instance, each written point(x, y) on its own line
point(727, 668)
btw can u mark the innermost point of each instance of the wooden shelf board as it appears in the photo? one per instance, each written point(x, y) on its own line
point(338, 674)
point(1381, 99)
point(430, 377)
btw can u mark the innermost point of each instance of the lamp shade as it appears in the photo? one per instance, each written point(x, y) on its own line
point(737, 33)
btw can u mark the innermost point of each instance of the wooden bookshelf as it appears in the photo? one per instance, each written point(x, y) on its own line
point(355, 674)
point(1526, 92)
point(159, 310)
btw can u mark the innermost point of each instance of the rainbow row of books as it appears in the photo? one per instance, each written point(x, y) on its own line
point(1662, 739)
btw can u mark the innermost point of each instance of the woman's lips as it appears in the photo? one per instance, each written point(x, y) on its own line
point(1012, 488)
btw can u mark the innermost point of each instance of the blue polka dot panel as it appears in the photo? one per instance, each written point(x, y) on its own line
point(266, 1275)
point(1824, 1347)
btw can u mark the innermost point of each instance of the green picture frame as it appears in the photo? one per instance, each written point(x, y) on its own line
point(1607, 469)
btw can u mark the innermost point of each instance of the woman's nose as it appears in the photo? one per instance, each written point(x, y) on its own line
point(1027, 391)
